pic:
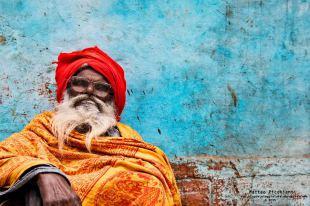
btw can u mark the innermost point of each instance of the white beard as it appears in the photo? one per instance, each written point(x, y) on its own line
point(73, 112)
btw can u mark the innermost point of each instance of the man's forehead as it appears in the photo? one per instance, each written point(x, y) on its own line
point(90, 73)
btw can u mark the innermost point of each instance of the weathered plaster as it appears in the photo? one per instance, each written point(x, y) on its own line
point(204, 77)
point(210, 180)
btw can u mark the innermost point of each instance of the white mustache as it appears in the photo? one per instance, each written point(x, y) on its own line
point(78, 100)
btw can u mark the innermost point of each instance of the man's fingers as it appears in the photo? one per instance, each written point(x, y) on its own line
point(72, 200)
point(68, 199)
point(72, 197)
point(63, 202)
point(77, 200)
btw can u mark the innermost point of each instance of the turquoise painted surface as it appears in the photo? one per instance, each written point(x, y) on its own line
point(204, 77)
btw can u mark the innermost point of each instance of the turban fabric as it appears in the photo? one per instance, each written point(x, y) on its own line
point(69, 63)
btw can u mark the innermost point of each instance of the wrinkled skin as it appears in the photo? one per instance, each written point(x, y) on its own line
point(54, 189)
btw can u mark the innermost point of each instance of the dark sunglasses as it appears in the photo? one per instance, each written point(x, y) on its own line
point(80, 85)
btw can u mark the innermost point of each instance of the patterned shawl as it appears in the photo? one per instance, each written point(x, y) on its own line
point(119, 171)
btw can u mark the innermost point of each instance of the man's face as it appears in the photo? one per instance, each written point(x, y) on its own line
point(88, 107)
point(88, 81)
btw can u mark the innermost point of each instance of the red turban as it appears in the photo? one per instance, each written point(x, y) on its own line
point(69, 63)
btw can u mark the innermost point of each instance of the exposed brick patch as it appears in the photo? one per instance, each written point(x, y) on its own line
point(210, 180)
point(185, 170)
point(194, 185)
point(195, 199)
point(194, 191)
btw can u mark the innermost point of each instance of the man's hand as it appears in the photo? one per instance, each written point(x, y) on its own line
point(55, 190)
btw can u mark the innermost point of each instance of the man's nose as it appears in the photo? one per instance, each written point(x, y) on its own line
point(90, 89)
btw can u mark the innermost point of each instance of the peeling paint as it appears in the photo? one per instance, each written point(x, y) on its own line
point(2, 39)
point(243, 181)
point(233, 95)
point(226, 78)
point(204, 77)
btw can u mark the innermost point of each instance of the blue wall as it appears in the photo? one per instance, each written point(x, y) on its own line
point(204, 77)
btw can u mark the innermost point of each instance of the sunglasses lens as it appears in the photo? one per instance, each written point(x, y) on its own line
point(102, 89)
point(79, 85)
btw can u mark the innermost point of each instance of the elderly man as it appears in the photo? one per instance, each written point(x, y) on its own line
point(80, 154)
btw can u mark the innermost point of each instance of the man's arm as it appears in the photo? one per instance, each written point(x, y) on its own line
point(18, 154)
point(19, 163)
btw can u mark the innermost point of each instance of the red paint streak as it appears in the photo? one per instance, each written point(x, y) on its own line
point(45, 91)
point(217, 165)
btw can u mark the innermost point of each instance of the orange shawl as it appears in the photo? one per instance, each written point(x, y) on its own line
point(119, 171)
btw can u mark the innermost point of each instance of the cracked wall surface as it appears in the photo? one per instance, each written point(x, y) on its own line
point(213, 180)
point(204, 77)
point(225, 78)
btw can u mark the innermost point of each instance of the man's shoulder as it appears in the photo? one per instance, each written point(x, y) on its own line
point(41, 118)
point(46, 113)
point(128, 131)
